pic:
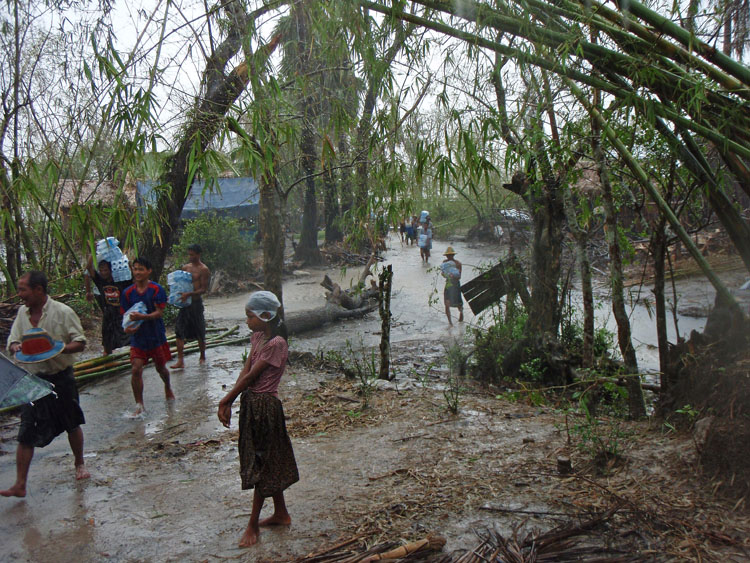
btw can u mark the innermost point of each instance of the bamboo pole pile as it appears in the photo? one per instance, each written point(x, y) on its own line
point(89, 370)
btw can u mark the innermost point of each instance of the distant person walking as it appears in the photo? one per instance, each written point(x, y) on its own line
point(411, 229)
point(267, 461)
point(148, 338)
point(113, 336)
point(452, 269)
point(425, 239)
point(44, 336)
point(190, 324)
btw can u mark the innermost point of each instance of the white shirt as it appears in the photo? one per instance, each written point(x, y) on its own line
point(61, 322)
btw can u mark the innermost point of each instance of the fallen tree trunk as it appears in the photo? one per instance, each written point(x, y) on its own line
point(351, 298)
point(304, 321)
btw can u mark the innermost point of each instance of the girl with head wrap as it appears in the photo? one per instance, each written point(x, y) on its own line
point(267, 462)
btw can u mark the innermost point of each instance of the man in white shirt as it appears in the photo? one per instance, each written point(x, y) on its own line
point(60, 412)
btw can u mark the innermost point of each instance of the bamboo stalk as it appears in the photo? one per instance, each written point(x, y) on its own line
point(676, 52)
point(706, 130)
point(663, 206)
point(688, 39)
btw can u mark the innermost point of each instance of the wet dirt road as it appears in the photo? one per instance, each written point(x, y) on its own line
point(166, 487)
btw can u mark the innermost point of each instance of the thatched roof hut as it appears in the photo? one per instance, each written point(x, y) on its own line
point(107, 192)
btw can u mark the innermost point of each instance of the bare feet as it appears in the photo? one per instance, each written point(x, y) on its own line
point(168, 394)
point(177, 365)
point(276, 520)
point(15, 491)
point(202, 360)
point(250, 537)
point(139, 409)
point(82, 472)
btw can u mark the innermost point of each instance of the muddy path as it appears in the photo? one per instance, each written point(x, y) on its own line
point(166, 487)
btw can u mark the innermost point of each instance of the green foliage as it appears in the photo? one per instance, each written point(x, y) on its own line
point(454, 387)
point(683, 417)
point(533, 370)
point(362, 365)
point(571, 336)
point(75, 297)
point(169, 314)
point(224, 247)
point(600, 438)
point(493, 342)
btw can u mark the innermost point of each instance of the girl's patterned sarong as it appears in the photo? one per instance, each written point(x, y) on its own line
point(266, 457)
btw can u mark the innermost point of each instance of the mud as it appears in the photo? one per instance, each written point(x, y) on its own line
point(165, 487)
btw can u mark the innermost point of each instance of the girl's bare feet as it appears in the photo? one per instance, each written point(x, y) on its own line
point(82, 472)
point(15, 491)
point(250, 537)
point(276, 520)
point(168, 394)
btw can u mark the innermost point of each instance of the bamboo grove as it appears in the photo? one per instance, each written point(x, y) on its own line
point(309, 98)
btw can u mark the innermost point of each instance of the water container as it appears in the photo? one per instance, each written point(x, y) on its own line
point(179, 282)
point(449, 269)
point(423, 216)
point(121, 269)
point(422, 241)
point(107, 249)
point(139, 307)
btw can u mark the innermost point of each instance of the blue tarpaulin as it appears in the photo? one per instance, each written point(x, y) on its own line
point(233, 197)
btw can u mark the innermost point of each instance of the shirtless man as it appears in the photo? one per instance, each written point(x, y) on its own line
point(190, 324)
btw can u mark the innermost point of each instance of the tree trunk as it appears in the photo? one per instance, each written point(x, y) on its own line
point(386, 281)
point(659, 246)
point(548, 213)
point(346, 188)
point(637, 407)
point(307, 250)
point(273, 236)
point(584, 266)
point(304, 321)
point(12, 267)
point(220, 92)
point(332, 210)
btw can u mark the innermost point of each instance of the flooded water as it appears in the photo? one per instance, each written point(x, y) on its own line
point(164, 487)
point(418, 310)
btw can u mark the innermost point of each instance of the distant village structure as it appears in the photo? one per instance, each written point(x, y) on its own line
point(228, 197)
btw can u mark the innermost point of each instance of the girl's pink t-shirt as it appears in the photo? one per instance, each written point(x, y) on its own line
point(275, 352)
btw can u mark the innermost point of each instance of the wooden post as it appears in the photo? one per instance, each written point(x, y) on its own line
point(386, 279)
